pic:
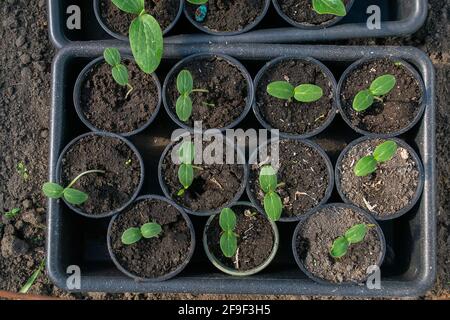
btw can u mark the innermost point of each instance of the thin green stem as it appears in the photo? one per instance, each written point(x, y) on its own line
point(378, 98)
point(200, 90)
point(83, 174)
point(129, 91)
point(208, 104)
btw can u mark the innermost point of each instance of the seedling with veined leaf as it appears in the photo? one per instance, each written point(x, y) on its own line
point(302, 93)
point(382, 153)
point(228, 239)
point(12, 213)
point(26, 287)
point(147, 231)
point(381, 86)
point(355, 234)
point(186, 170)
point(119, 71)
point(268, 182)
point(22, 170)
point(71, 195)
point(185, 87)
point(334, 7)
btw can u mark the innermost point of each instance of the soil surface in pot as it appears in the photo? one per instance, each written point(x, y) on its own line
point(304, 173)
point(255, 239)
point(229, 15)
point(109, 191)
point(399, 107)
point(301, 11)
point(104, 102)
point(389, 189)
point(315, 239)
point(227, 86)
point(295, 117)
point(119, 21)
point(214, 186)
point(154, 257)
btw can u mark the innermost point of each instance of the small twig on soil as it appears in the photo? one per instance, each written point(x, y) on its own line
point(368, 205)
point(236, 261)
point(213, 180)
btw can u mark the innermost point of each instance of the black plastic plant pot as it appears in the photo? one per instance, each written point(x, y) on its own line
point(309, 119)
point(314, 236)
point(123, 37)
point(147, 259)
point(295, 157)
point(254, 239)
point(230, 106)
point(388, 193)
point(307, 25)
point(208, 178)
point(190, 11)
point(121, 181)
point(135, 108)
point(400, 110)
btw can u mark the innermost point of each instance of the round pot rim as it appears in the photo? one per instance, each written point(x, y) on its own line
point(249, 27)
point(330, 169)
point(322, 281)
point(110, 135)
point(237, 195)
point(165, 276)
point(327, 72)
point(121, 37)
point(232, 271)
point(306, 26)
point(417, 193)
point(199, 56)
point(414, 73)
point(77, 99)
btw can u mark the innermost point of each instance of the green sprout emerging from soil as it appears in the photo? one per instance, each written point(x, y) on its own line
point(197, 2)
point(22, 170)
point(186, 170)
point(380, 86)
point(303, 93)
point(354, 235)
point(382, 153)
point(185, 86)
point(228, 239)
point(12, 213)
point(268, 182)
point(147, 231)
point(335, 7)
point(26, 287)
point(119, 71)
point(71, 195)
point(145, 35)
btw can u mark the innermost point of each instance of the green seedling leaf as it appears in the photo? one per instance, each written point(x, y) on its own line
point(74, 196)
point(186, 152)
point(227, 219)
point(11, 214)
point(339, 248)
point(184, 107)
point(52, 190)
point(186, 175)
point(334, 7)
point(150, 230)
point(273, 206)
point(363, 100)
point(185, 82)
point(365, 166)
point(26, 287)
point(131, 235)
point(197, 2)
point(22, 170)
point(383, 85)
point(130, 6)
point(120, 74)
point(228, 244)
point(356, 233)
point(308, 93)
point(112, 56)
point(268, 179)
point(385, 151)
point(281, 90)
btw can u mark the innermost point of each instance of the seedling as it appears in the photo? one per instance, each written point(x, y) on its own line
point(268, 182)
point(334, 7)
point(26, 287)
point(145, 35)
point(197, 2)
point(119, 71)
point(380, 86)
point(354, 235)
point(383, 152)
point(185, 86)
point(302, 93)
point(186, 169)
point(71, 195)
point(228, 239)
point(12, 213)
point(128, 163)
point(147, 231)
point(22, 170)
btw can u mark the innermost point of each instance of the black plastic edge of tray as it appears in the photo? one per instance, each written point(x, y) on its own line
point(255, 285)
point(275, 35)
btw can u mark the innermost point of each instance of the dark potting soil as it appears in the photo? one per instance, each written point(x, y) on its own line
point(304, 173)
point(154, 257)
point(214, 186)
point(108, 191)
point(301, 11)
point(255, 239)
point(227, 88)
point(316, 236)
point(399, 107)
point(295, 117)
point(387, 190)
point(104, 102)
point(229, 15)
point(119, 21)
